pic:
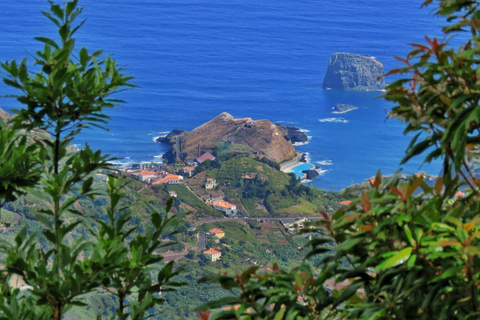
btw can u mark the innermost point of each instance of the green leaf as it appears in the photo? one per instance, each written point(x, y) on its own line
point(48, 41)
point(399, 258)
point(348, 292)
point(156, 220)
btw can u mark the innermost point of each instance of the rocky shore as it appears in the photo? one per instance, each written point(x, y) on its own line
point(293, 134)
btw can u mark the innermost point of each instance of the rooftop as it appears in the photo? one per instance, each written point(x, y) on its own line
point(216, 230)
point(211, 251)
point(145, 173)
point(224, 204)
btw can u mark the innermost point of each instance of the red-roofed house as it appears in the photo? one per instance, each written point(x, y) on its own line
point(219, 233)
point(213, 254)
point(169, 179)
point(188, 171)
point(226, 207)
point(146, 176)
point(205, 156)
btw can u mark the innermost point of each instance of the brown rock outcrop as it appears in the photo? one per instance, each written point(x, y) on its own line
point(263, 137)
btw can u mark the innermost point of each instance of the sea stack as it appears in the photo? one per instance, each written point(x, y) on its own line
point(349, 72)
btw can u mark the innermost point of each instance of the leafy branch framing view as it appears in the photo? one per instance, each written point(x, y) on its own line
point(70, 92)
point(402, 250)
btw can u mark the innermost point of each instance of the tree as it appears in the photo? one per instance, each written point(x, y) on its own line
point(67, 91)
point(393, 254)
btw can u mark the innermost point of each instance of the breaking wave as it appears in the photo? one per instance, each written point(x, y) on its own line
point(325, 162)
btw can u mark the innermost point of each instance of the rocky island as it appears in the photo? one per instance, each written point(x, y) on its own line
point(342, 108)
point(256, 137)
point(347, 71)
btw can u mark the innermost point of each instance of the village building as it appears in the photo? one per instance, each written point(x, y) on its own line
point(146, 176)
point(211, 198)
point(188, 171)
point(292, 224)
point(170, 179)
point(213, 254)
point(219, 233)
point(210, 183)
point(204, 157)
point(226, 207)
point(172, 194)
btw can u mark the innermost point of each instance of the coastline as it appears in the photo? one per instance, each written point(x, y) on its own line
point(299, 160)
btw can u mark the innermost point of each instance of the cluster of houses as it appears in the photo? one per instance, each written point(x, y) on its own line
point(157, 175)
point(161, 177)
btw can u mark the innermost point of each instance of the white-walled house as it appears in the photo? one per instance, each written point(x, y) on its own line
point(226, 207)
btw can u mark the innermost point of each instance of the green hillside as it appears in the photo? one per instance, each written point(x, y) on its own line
point(260, 190)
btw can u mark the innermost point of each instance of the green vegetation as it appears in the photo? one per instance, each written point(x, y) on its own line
point(196, 205)
point(262, 189)
point(402, 249)
point(67, 91)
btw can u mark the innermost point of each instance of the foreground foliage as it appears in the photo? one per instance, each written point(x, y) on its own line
point(67, 91)
point(402, 250)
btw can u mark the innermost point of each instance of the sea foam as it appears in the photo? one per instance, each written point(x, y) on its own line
point(325, 162)
point(334, 120)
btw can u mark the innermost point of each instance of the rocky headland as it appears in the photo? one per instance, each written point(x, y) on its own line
point(342, 108)
point(258, 137)
point(347, 71)
point(293, 134)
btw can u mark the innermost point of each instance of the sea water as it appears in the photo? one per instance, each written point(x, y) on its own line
point(263, 59)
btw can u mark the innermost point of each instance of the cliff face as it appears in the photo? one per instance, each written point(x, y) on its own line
point(347, 71)
point(264, 137)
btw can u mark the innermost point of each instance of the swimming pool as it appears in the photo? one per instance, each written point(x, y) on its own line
point(299, 168)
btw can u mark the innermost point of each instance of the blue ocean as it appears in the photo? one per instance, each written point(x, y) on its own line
point(263, 59)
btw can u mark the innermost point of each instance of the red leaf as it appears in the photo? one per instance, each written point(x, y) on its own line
point(378, 180)
point(402, 60)
point(204, 315)
point(400, 194)
point(419, 46)
point(325, 215)
point(366, 227)
point(438, 186)
point(365, 200)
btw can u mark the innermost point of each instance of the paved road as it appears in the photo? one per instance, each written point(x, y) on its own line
point(210, 220)
point(245, 219)
point(202, 241)
point(173, 256)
